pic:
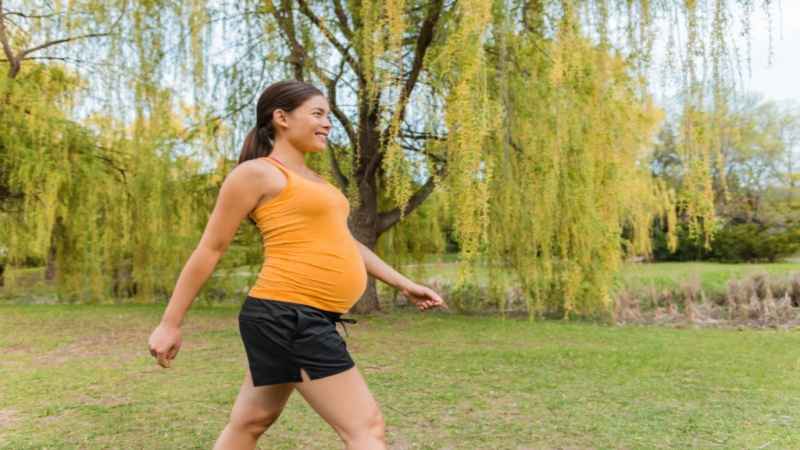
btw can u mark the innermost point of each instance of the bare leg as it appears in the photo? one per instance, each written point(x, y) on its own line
point(344, 401)
point(255, 410)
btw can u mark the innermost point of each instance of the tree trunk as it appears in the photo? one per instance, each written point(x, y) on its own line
point(364, 219)
point(364, 229)
point(52, 264)
point(51, 269)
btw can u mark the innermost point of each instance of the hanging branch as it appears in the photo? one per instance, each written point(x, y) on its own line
point(331, 38)
point(424, 40)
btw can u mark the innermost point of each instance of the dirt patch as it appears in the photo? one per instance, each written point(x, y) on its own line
point(7, 418)
point(19, 347)
point(113, 346)
point(397, 442)
point(376, 369)
point(106, 400)
point(120, 343)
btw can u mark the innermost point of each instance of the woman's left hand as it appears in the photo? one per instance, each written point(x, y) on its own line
point(423, 297)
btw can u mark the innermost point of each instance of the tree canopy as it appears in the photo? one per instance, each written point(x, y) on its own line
point(529, 121)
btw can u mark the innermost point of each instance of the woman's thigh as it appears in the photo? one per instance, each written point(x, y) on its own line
point(259, 404)
point(343, 400)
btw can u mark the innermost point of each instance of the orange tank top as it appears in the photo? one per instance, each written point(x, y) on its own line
point(310, 256)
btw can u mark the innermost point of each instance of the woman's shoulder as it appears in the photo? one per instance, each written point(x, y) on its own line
point(257, 169)
point(260, 175)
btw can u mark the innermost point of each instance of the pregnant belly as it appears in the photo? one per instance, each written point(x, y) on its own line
point(335, 280)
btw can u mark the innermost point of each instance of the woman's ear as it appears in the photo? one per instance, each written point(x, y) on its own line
point(279, 117)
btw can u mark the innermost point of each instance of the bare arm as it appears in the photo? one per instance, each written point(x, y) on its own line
point(236, 199)
point(422, 297)
point(381, 270)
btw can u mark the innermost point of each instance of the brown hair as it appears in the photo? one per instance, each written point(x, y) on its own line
point(286, 95)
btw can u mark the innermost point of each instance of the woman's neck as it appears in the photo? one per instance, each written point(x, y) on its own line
point(289, 158)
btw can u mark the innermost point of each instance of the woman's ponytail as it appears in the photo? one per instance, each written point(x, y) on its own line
point(257, 144)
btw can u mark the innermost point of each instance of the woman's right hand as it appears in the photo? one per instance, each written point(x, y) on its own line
point(164, 343)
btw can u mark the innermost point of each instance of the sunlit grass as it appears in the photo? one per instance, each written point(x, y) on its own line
point(79, 376)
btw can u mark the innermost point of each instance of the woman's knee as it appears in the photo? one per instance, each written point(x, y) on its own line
point(255, 422)
point(371, 428)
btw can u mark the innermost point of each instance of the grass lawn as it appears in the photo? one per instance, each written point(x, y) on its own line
point(80, 376)
point(713, 277)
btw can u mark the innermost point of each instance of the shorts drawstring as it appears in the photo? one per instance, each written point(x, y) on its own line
point(343, 320)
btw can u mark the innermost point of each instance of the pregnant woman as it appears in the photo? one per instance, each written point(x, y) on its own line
point(314, 271)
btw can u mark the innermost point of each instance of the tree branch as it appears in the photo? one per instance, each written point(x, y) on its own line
point(331, 38)
point(423, 43)
point(31, 16)
point(424, 40)
point(14, 61)
point(388, 219)
point(411, 148)
point(330, 83)
point(286, 22)
point(48, 58)
point(340, 115)
point(417, 135)
point(337, 170)
point(19, 27)
point(376, 160)
point(344, 24)
point(60, 41)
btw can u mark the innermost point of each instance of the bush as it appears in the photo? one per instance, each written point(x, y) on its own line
point(734, 242)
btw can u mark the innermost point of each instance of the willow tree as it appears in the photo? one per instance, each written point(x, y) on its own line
point(752, 150)
point(531, 118)
point(36, 135)
point(99, 192)
point(527, 120)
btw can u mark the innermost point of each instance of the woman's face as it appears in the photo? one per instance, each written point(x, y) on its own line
point(308, 126)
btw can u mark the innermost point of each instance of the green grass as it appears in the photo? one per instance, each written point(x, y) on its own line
point(80, 376)
point(713, 277)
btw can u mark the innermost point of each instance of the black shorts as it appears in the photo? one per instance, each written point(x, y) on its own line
point(281, 337)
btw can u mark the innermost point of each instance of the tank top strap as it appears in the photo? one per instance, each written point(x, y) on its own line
point(280, 166)
point(284, 192)
point(294, 176)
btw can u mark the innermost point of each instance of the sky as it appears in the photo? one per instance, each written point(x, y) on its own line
point(781, 80)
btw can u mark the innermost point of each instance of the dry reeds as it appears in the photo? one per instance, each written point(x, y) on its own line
point(758, 300)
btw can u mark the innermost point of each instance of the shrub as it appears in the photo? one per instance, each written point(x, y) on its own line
point(733, 242)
